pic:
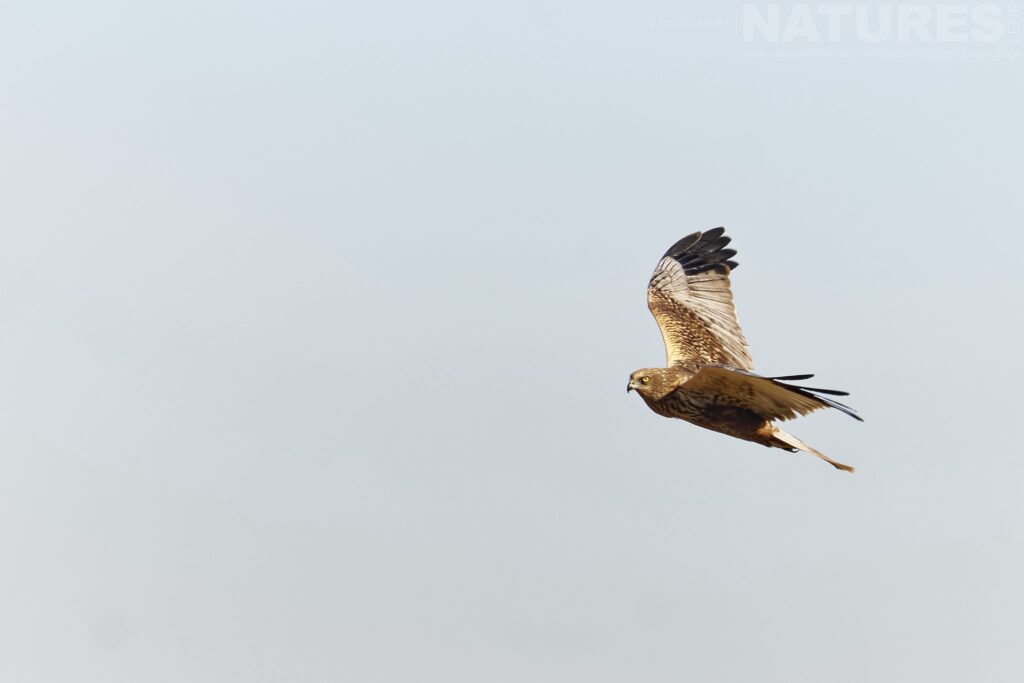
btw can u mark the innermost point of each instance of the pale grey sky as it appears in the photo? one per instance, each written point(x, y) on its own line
point(316, 320)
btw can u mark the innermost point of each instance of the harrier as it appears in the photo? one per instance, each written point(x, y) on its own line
point(709, 380)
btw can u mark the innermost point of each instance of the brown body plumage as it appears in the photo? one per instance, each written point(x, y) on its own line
point(709, 380)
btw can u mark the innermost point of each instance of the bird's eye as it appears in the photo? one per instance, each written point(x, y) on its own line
point(645, 380)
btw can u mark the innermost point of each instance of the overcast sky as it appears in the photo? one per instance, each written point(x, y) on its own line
point(315, 321)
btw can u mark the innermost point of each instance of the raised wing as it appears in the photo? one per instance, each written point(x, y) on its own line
point(690, 298)
point(769, 397)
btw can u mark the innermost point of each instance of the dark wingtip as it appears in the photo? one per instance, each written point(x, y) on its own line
point(842, 407)
point(700, 252)
point(820, 394)
point(714, 233)
point(684, 244)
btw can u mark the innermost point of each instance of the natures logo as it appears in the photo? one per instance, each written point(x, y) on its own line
point(895, 23)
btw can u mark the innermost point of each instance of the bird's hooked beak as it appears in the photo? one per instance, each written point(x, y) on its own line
point(629, 387)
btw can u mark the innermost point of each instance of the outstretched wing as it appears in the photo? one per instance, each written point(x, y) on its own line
point(690, 298)
point(769, 397)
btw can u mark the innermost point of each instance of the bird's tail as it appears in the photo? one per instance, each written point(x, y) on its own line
point(789, 442)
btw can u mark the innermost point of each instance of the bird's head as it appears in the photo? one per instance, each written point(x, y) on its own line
point(652, 383)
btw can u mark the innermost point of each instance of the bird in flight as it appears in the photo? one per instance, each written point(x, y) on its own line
point(709, 380)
